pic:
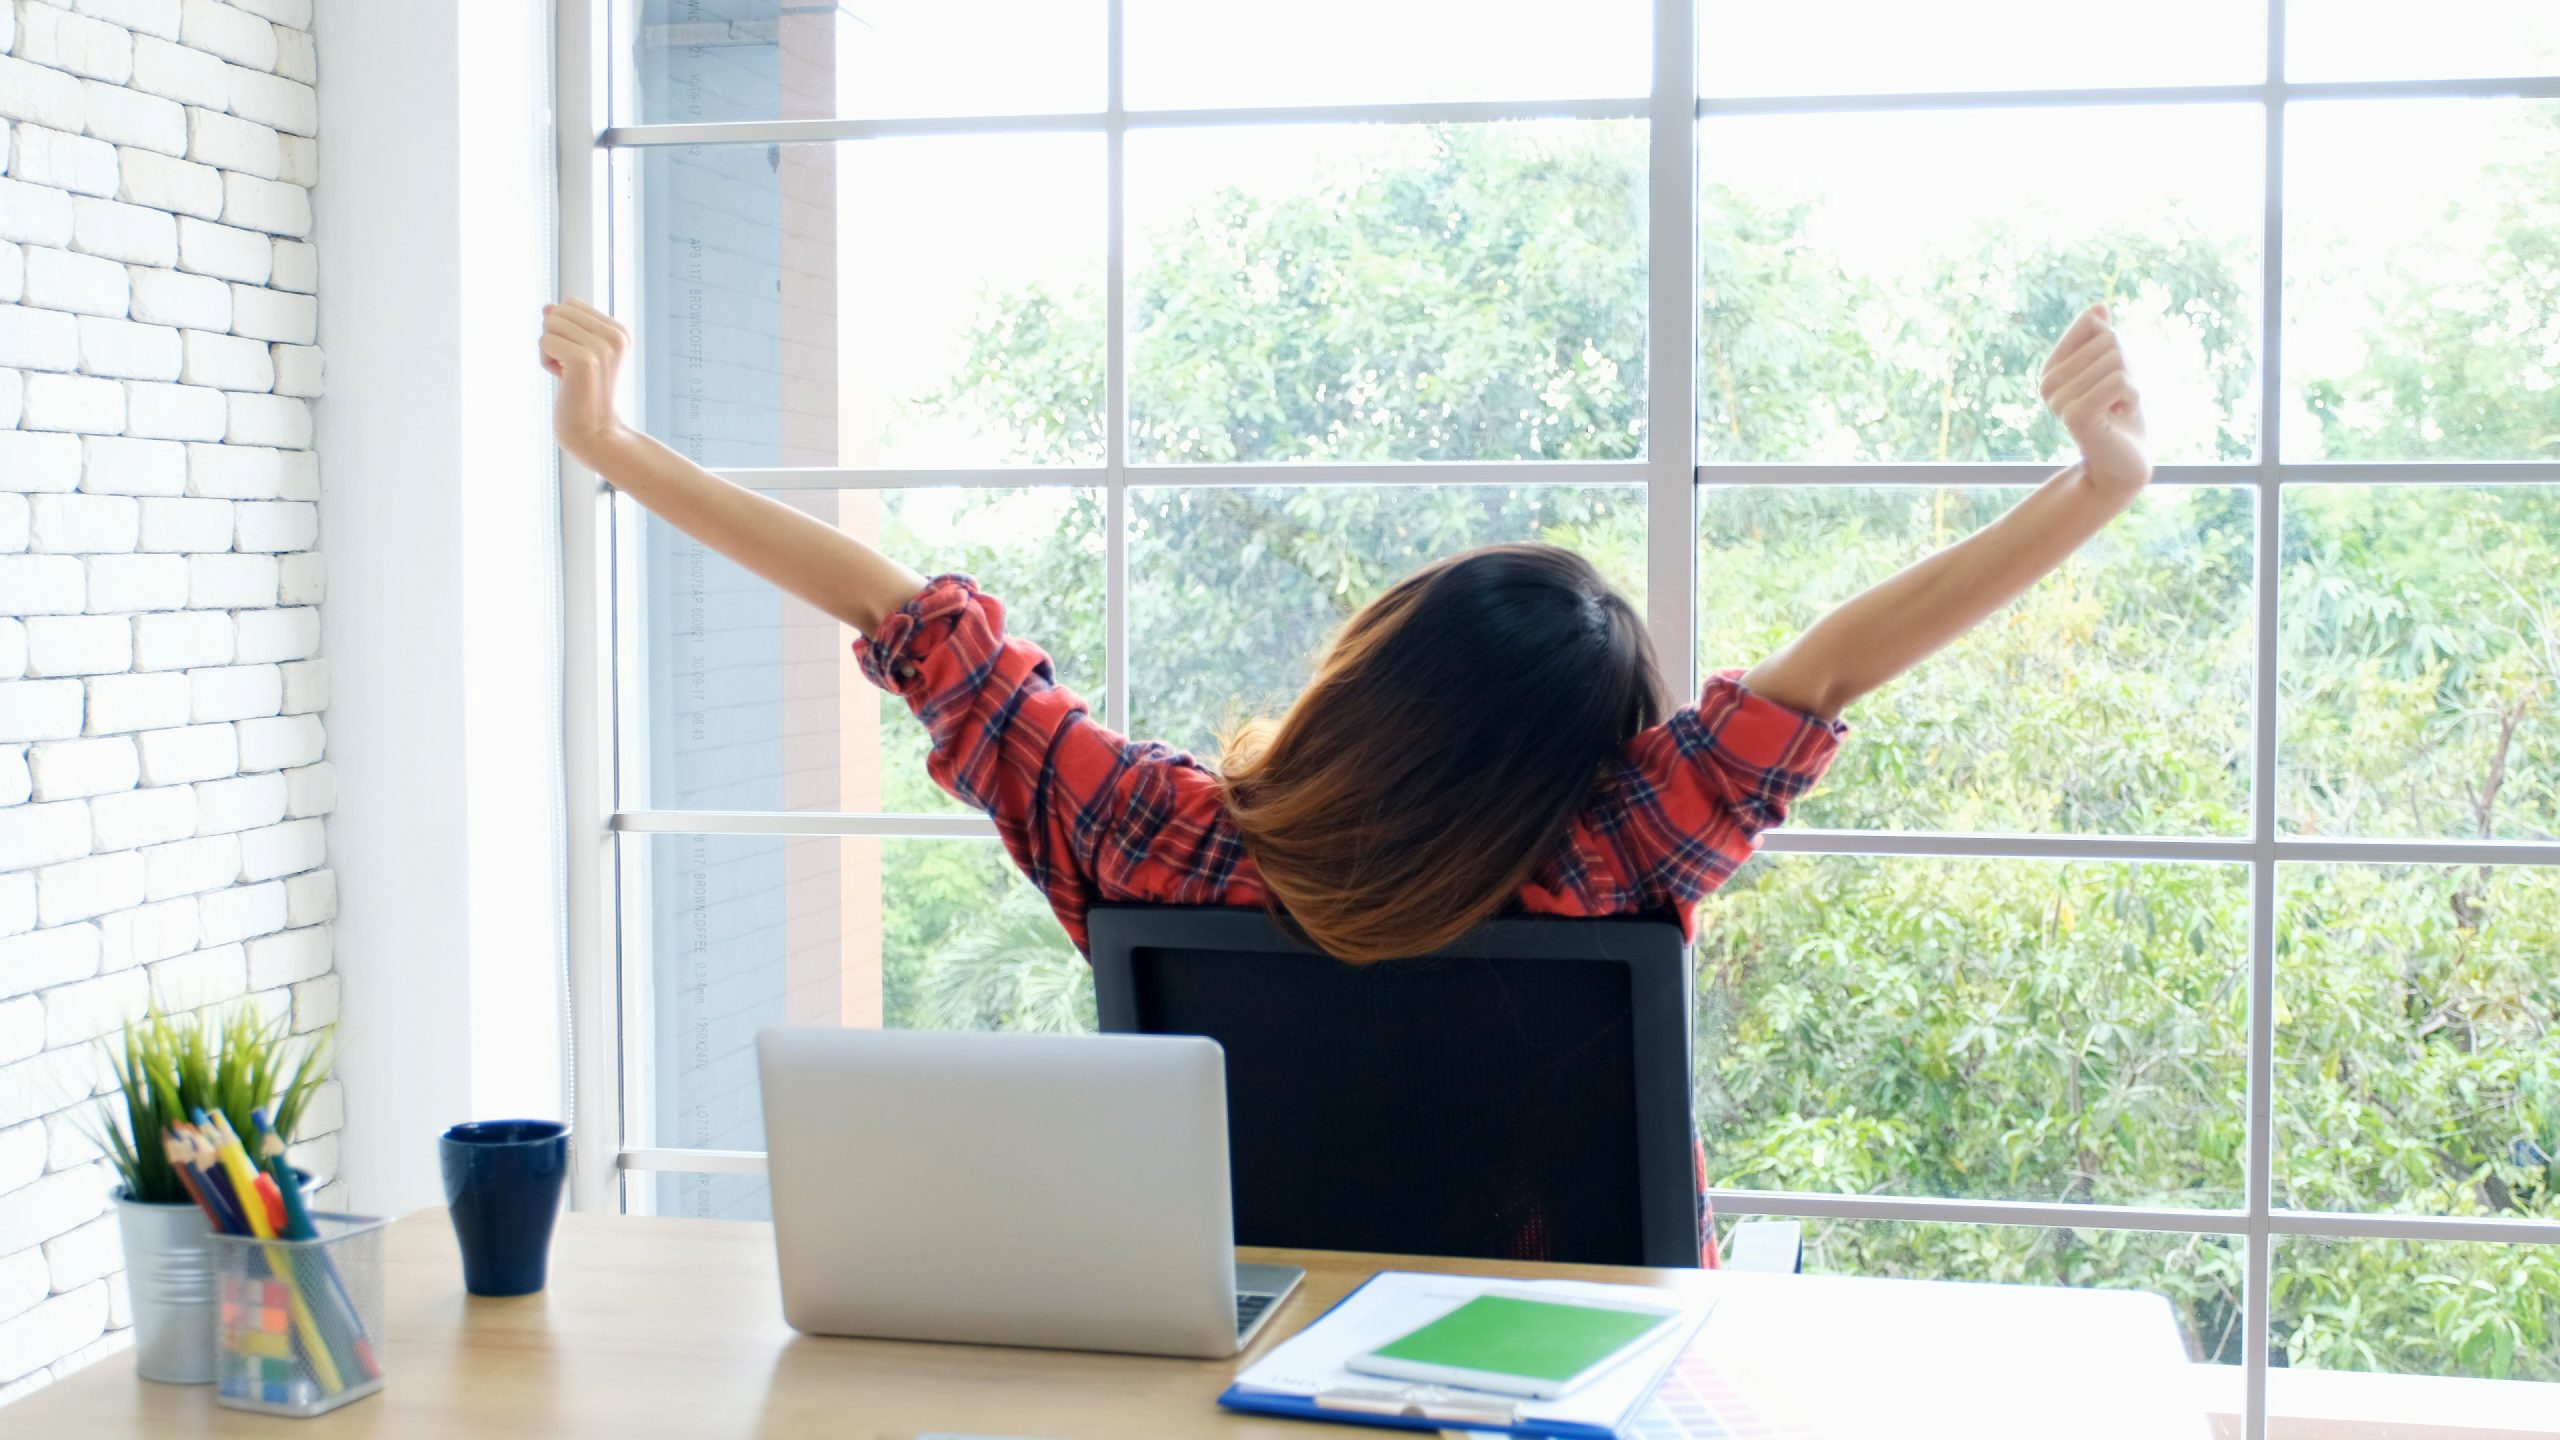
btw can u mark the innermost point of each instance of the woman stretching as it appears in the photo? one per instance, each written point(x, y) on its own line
point(1488, 735)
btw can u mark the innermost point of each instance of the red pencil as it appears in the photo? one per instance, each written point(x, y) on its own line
point(273, 1199)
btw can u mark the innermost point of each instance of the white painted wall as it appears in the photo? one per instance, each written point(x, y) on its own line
point(445, 730)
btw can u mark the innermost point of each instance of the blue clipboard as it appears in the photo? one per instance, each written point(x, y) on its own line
point(1307, 1407)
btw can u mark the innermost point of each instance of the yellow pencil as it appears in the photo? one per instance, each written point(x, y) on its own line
point(244, 1179)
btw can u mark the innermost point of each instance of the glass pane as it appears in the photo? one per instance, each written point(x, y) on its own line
point(1471, 292)
point(2421, 278)
point(753, 698)
point(729, 933)
point(1199, 54)
point(2418, 1040)
point(931, 301)
point(697, 1197)
point(1875, 46)
point(1234, 591)
point(2113, 698)
point(2419, 1307)
point(2421, 673)
point(1997, 1029)
point(1868, 295)
point(709, 60)
point(2393, 39)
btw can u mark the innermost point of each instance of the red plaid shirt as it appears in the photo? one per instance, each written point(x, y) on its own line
point(1092, 817)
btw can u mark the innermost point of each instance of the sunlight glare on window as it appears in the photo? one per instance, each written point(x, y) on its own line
point(1886, 289)
point(783, 59)
point(872, 302)
point(2393, 39)
point(1191, 54)
point(2422, 316)
point(1853, 46)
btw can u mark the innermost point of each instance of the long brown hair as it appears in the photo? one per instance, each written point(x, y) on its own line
point(1452, 732)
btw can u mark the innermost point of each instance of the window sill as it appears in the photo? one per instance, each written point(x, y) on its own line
point(2351, 1405)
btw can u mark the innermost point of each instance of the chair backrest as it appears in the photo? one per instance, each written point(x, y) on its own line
point(1523, 1094)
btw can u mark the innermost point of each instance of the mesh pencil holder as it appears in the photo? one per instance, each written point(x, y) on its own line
point(301, 1320)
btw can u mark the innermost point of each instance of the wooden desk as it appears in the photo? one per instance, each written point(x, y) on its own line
point(672, 1328)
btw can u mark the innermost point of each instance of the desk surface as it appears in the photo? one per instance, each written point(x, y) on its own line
point(673, 1328)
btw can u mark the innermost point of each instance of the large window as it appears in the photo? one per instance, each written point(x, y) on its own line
point(2190, 926)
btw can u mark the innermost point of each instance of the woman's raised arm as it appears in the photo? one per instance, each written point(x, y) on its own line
point(1895, 625)
point(813, 560)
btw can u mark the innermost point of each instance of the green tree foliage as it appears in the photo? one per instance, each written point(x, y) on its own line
point(1945, 367)
point(2463, 362)
point(1479, 301)
point(1950, 1027)
point(2434, 619)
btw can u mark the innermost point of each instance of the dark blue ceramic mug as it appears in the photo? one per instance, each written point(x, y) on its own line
point(503, 1181)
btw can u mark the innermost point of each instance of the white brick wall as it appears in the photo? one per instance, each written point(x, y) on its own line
point(163, 780)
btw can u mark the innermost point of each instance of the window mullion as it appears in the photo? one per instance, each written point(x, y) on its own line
point(1671, 314)
point(592, 939)
point(2257, 1286)
point(1117, 709)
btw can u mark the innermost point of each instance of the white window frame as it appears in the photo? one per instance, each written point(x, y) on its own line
point(601, 585)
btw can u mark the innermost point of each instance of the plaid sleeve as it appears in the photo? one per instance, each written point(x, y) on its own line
point(1006, 737)
point(1086, 814)
point(1687, 801)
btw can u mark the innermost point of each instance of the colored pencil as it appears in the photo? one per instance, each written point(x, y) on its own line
point(210, 1179)
point(297, 1211)
point(288, 1186)
point(172, 1147)
point(235, 1163)
point(271, 1201)
point(296, 1224)
point(217, 1180)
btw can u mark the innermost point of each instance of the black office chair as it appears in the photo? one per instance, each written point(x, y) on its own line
point(1523, 1095)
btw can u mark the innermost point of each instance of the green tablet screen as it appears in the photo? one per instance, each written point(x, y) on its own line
point(1535, 1339)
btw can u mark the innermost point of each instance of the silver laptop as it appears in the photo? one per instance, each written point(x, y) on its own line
point(1067, 1191)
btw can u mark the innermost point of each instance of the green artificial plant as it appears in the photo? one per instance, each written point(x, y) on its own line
point(171, 1066)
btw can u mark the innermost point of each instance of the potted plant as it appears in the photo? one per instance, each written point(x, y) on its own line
point(169, 1068)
